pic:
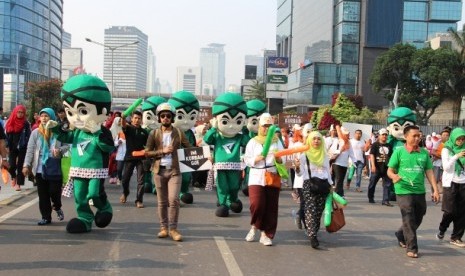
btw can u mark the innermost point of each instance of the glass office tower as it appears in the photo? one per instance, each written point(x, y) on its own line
point(30, 38)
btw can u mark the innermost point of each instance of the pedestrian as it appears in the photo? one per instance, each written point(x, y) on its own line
point(379, 157)
point(263, 199)
point(136, 139)
point(3, 151)
point(407, 169)
point(199, 178)
point(437, 160)
point(314, 164)
point(162, 145)
point(62, 120)
point(120, 144)
point(43, 161)
point(358, 148)
point(453, 183)
point(340, 152)
point(297, 179)
point(18, 131)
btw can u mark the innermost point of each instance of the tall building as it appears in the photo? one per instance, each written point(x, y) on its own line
point(212, 62)
point(342, 39)
point(258, 61)
point(151, 72)
point(189, 79)
point(65, 40)
point(125, 60)
point(30, 38)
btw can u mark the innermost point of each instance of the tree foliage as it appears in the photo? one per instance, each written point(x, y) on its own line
point(344, 108)
point(425, 77)
point(43, 94)
point(327, 120)
point(256, 91)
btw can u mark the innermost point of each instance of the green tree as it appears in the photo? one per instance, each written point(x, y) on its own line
point(457, 86)
point(344, 108)
point(256, 91)
point(42, 94)
point(366, 116)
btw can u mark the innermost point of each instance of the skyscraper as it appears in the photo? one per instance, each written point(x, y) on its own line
point(65, 40)
point(30, 37)
point(342, 39)
point(151, 71)
point(125, 63)
point(258, 61)
point(189, 79)
point(212, 62)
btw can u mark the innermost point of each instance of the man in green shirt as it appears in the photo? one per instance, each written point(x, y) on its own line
point(407, 169)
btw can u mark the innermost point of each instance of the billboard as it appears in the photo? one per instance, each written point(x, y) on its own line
point(277, 62)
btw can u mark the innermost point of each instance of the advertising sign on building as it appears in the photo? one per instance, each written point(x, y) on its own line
point(277, 62)
point(277, 71)
point(277, 79)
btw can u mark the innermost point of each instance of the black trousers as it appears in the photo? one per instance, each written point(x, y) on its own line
point(412, 209)
point(129, 166)
point(16, 160)
point(453, 207)
point(339, 173)
point(49, 192)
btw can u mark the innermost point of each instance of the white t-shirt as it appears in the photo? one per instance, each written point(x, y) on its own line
point(357, 147)
point(166, 160)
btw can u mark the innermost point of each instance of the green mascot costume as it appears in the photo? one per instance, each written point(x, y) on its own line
point(229, 117)
point(150, 122)
point(187, 109)
point(87, 101)
point(255, 108)
point(398, 119)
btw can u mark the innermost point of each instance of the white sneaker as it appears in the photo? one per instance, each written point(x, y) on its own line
point(265, 240)
point(458, 243)
point(251, 235)
point(118, 182)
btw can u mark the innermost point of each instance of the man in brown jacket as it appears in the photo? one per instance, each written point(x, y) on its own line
point(162, 145)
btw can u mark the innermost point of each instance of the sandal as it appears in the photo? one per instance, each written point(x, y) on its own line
point(412, 255)
point(400, 241)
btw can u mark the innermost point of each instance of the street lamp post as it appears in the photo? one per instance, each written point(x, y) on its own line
point(112, 49)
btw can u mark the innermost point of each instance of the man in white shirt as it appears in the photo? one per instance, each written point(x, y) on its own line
point(358, 146)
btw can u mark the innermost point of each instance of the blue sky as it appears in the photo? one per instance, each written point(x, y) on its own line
point(177, 29)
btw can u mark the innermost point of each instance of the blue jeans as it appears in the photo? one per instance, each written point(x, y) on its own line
point(374, 178)
point(358, 168)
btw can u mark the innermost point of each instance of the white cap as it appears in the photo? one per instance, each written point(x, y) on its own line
point(383, 131)
point(296, 127)
point(344, 131)
point(265, 119)
point(307, 128)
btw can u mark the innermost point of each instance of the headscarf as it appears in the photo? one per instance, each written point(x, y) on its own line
point(46, 134)
point(15, 124)
point(115, 128)
point(261, 136)
point(452, 146)
point(316, 155)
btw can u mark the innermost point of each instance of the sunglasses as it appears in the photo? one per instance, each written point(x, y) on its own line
point(163, 116)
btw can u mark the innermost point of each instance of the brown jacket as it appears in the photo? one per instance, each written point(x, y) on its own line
point(155, 148)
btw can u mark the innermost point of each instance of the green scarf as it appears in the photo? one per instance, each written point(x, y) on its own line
point(453, 148)
point(316, 155)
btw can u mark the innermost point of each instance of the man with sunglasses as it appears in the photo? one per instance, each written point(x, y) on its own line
point(136, 138)
point(380, 153)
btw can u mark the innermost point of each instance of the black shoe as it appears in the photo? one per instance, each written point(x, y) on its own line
point(44, 222)
point(314, 242)
point(388, 204)
point(60, 215)
point(440, 235)
point(371, 201)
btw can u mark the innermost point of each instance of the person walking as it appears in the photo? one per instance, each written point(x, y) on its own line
point(358, 148)
point(340, 152)
point(263, 199)
point(453, 183)
point(379, 157)
point(17, 130)
point(407, 169)
point(43, 161)
point(314, 164)
point(136, 139)
point(162, 145)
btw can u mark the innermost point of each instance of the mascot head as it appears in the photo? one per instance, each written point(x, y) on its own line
point(187, 108)
point(398, 119)
point(230, 111)
point(255, 108)
point(87, 101)
point(149, 108)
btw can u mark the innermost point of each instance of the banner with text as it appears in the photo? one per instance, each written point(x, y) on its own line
point(194, 159)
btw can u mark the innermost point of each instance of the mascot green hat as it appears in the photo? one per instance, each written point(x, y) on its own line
point(255, 107)
point(88, 89)
point(184, 100)
point(401, 115)
point(231, 103)
point(152, 102)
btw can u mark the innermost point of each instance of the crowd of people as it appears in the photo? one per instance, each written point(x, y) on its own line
point(30, 149)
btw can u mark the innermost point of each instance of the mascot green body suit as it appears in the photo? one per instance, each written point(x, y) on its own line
point(255, 108)
point(229, 117)
point(87, 101)
point(187, 109)
point(150, 122)
point(398, 119)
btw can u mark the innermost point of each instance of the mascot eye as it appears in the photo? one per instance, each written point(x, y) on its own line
point(239, 122)
point(396, 129)
point(148, 117)
point(83, 111)
point(224, 122)
point(70, 114)
point(180, 117)
point(254, 122)
point(192, 117)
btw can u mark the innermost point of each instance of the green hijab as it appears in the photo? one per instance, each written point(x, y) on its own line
point(452, 147)
point(316, 155)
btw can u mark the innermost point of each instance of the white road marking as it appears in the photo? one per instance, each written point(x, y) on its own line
point(18, 210)
point(228, 257)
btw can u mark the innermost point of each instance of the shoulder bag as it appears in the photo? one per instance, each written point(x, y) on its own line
point(337, 219)
point(317, 185)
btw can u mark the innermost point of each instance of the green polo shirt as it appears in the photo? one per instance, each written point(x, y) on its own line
point(411, 167)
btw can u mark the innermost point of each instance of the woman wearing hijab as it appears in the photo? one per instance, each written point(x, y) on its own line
point(263, 199)
point(453, 182)
point(116, 162)
point(42, 146)
point(316, 161)
point(17, 130)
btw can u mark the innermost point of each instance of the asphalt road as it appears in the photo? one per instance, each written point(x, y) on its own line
point(216, 246)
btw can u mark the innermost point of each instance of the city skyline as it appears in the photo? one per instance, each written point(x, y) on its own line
point(177, 31)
